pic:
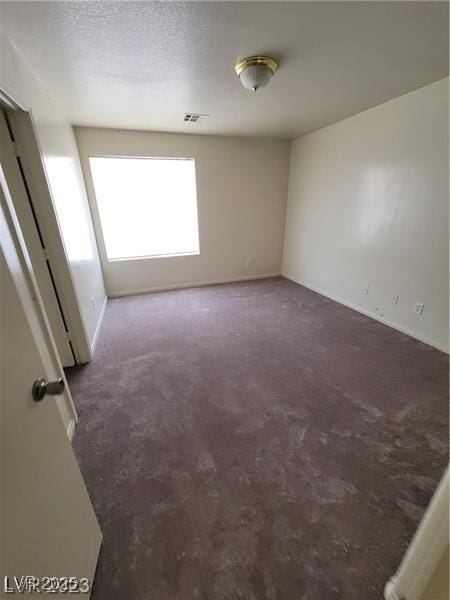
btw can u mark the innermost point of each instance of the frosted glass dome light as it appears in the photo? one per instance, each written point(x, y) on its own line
point(255, 71)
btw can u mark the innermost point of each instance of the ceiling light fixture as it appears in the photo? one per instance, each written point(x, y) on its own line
point(255, 71)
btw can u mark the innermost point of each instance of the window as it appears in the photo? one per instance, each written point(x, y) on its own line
point(147, 206)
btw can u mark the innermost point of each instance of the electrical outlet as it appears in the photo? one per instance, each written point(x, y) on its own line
point(395, 300)
point(366, 290)
point(418, 308)
point(247, 264)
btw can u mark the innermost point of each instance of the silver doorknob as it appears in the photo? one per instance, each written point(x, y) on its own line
point(41, 387)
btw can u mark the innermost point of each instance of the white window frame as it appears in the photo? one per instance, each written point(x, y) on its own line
point(96, 213)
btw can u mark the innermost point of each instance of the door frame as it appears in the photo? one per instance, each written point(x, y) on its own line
point(47, 220)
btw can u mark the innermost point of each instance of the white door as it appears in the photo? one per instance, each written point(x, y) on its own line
point(48, 528)
point(13, 169)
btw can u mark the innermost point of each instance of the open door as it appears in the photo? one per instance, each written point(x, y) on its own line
point(48, 529)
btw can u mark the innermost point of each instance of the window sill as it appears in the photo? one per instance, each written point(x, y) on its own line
point(153, 256)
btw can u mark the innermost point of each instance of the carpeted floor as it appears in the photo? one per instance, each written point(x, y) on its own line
point(256, 441)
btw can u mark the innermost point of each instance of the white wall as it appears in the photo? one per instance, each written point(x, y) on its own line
point(368, 206)
point(61, 160)
point(241, 192)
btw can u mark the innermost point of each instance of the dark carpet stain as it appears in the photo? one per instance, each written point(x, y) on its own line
point(256, 441)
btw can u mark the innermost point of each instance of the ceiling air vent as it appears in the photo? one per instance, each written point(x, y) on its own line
point(194, 117)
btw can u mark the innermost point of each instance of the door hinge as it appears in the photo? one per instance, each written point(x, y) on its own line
point(69, 339)
point(15, 148)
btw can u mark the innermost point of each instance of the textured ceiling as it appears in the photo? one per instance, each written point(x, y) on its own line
point(144, 64)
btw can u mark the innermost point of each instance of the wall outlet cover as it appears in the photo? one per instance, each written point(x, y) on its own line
point(418, 308)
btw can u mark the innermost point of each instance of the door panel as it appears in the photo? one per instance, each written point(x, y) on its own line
point(47, 523)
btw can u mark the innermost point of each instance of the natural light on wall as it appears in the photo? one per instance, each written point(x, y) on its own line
point(147, 206)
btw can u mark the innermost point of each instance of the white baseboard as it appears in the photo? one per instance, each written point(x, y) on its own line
point(191, 284)
point(368, 313)
point(99, 324)
point(71, 429)
point(389, 591)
